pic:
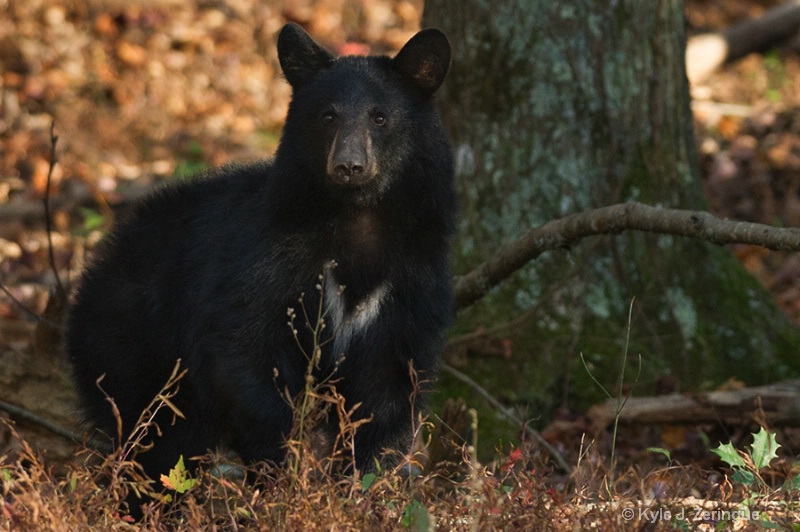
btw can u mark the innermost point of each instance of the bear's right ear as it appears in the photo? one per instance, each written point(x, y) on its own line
point(300, 56)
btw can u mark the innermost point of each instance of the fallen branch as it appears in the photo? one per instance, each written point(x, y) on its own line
point(707, 52)
point(775, 404)
point(21, 413)
point(611, 220)
point(78, 197)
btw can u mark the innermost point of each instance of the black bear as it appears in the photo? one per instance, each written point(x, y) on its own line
point(205, 270)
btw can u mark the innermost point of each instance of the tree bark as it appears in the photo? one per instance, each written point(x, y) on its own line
point(555, 109)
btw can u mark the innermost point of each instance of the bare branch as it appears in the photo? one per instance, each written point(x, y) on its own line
point(47, 216)
point(508, 413)
point(26, 415)
point(614, 219)
point(28, 311)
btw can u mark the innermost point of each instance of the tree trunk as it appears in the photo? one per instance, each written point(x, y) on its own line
point(555, 108)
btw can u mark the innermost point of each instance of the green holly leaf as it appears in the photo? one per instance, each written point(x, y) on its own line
point(729, 455)
point(743, 476)
point(178, 479)
point(764, 448)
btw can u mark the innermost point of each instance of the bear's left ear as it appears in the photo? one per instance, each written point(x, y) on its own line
point(300, 56)
point(425, 60)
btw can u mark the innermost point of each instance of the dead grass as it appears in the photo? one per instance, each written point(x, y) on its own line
point(440, 485)
point(516, 493)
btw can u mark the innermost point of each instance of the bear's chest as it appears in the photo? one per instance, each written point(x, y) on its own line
point(347, 319)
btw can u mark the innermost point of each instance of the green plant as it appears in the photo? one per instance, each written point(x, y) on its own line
point(620, 399)
point(178, 479)
point(312, 406)
point(416, 517)
point(92, 220)
point(776, 76)
point(746, 465)
point(192, 163)
point(662, 451)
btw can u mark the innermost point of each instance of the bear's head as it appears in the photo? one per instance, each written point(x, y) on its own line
point(356, 124)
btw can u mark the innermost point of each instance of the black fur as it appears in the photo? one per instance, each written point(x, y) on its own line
point(205, 270)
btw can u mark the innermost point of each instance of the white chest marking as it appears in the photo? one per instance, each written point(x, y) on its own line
point(346, 325)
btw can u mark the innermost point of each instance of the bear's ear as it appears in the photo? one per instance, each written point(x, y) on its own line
point(300, 56)
point(425, 60)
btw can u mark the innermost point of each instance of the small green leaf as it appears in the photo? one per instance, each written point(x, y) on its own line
point(243, 512)
point(92, 219)
point(764, 448)
point(186, 169)
point(769, 525)
point(416, 517)
point(367, 481)
point(743, 476)
point(178, 479)
point(679, 524)
point(792, 484)
point(729, 455)
point(659, 450)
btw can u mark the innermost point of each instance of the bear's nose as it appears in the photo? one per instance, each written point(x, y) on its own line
point(348, 169)
point(349, 161)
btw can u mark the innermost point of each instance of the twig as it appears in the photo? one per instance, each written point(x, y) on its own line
point(49, 228)
point(21, 413)
point(614, 219)
point(47, 218)
point(28, 311)
point(555, 455)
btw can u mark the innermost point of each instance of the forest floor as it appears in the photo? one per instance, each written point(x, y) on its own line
point(143, 92)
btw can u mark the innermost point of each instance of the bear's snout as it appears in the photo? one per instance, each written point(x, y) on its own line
point(350, 160)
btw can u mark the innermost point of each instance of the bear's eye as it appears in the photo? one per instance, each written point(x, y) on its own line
point(328, 117)
point(379, 119)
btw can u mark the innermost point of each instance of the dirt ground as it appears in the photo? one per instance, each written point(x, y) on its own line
point(143, 92)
